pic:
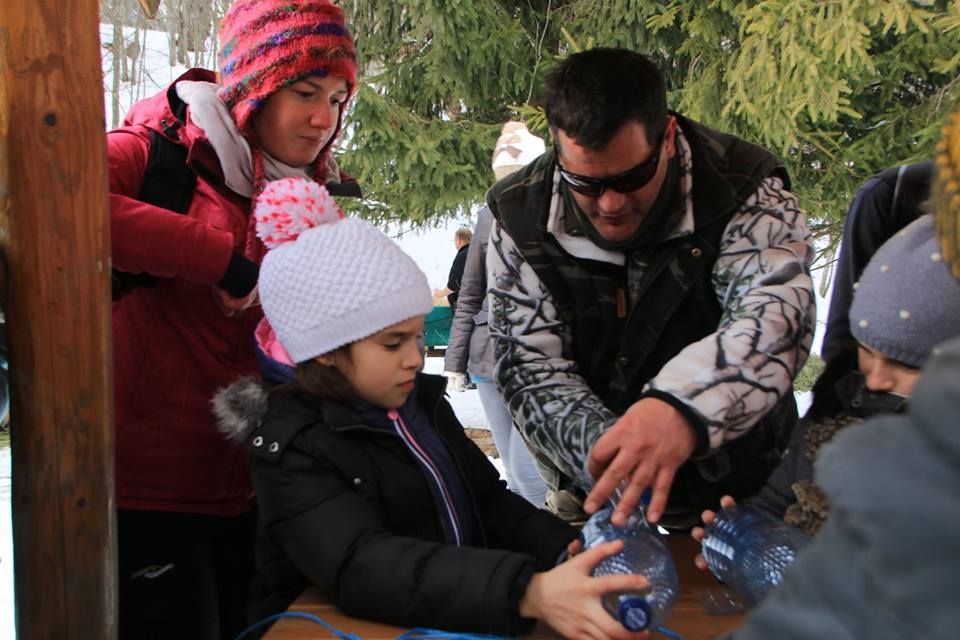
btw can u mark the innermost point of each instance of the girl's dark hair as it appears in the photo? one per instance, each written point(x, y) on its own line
point(326, 380)
point(594, 93)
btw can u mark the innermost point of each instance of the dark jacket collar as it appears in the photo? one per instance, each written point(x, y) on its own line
point(304, 407)
point(858, 401)
point(428, 390)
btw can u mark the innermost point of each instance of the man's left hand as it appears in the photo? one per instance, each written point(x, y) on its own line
point(644, 448)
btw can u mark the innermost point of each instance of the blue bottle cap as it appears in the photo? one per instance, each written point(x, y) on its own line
point(634, 613)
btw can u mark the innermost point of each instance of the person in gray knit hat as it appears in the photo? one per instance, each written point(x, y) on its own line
point(906, 303)
point(885, 565)
point(367, 485)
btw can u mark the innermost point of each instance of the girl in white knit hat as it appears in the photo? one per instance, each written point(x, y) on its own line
point(367, 486)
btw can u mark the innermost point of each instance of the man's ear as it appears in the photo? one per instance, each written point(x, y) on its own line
point(670, 137)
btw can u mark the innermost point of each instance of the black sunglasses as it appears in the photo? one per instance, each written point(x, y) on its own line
point(629, 180)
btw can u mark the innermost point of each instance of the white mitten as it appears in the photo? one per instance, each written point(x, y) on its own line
point(456, 381)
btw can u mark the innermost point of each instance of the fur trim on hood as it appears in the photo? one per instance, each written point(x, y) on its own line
point(239, 408)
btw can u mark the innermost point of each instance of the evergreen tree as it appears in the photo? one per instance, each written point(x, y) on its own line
point(839, 88)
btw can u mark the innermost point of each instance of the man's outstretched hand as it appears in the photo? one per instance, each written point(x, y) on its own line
point(644, 448)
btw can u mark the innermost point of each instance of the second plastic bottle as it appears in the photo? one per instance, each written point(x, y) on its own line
point(749, 549)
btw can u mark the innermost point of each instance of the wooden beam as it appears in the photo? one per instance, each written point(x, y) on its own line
point(54, 230)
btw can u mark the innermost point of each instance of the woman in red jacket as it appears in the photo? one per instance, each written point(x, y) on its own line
point(184, 499)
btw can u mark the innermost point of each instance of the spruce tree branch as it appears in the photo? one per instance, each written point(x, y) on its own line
point(539, 53)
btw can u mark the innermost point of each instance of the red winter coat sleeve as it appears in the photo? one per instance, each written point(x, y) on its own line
point(151, 239)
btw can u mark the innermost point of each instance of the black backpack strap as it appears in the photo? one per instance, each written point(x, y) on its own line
point(168, 182)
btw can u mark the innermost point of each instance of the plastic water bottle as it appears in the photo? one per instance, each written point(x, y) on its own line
point(748, 549)
point(644, 553)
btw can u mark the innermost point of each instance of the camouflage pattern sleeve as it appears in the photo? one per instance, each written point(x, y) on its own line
point(762, 280)
point(557, 413)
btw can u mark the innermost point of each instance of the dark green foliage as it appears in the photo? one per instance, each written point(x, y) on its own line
point(839, 89)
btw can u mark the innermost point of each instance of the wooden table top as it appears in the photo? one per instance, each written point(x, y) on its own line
point(688, 617)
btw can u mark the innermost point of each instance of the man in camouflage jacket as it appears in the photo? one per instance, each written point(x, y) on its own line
point(650, 299)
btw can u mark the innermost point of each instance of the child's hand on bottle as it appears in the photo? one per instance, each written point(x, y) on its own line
point(568, 598)
point(698, 533)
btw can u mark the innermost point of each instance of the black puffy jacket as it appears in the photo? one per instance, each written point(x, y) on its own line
point(344, 506)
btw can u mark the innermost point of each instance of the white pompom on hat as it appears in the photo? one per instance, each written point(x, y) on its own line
point(516, 147)
point(327, 280)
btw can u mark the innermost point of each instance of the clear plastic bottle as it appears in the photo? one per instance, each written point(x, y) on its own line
point(644, 553)
point(748, 549)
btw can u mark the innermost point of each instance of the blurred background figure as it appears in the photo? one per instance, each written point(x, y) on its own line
point(461, 240)
point(469, 350)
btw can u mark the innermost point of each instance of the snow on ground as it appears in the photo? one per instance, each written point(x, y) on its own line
point(466, 404)
point(6, 549)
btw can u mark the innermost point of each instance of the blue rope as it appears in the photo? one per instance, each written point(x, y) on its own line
point(670, 634)
point(421, 633)
point(418, 633)
point(343, 635)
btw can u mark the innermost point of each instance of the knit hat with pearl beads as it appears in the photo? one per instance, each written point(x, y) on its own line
point(907, 301)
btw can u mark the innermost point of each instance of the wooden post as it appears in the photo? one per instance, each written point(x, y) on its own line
point(55, 234)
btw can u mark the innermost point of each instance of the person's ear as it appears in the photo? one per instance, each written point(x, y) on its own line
point(327, 360)
point(670, 137)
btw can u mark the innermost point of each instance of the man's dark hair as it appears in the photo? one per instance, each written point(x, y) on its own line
point(325, 380)
point(592, 94)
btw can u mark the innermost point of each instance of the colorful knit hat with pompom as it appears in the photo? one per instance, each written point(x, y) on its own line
point(326, 280)
point(266, 45)
point(946, 192)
